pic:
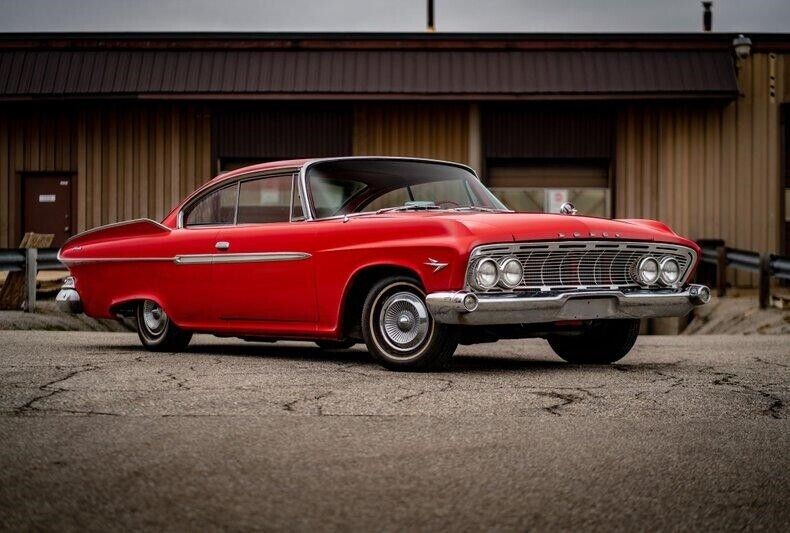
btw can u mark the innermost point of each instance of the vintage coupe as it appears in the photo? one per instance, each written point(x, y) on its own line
point(409, 256)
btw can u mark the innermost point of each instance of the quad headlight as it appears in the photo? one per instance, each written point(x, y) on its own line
point(510, 273)
point(648, 271)
point(486, 274)
point(665, 271)
point(670, 271)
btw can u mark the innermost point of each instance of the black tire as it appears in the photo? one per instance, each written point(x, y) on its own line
point(399, 298)
point(163, 335)
point(601, 343)
point(335, 345)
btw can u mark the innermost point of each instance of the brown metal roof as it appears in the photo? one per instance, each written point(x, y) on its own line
point(368, 73)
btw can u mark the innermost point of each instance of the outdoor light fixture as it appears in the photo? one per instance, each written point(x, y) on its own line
point(742, 46)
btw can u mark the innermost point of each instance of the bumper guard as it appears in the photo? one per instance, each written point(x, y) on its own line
point(68, 299)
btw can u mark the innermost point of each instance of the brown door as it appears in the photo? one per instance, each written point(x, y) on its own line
point(47, 206)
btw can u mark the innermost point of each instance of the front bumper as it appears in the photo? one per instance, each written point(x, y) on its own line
point(459, 308)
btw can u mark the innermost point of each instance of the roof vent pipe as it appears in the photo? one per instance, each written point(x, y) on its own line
point(707, 15)
point(430, 24)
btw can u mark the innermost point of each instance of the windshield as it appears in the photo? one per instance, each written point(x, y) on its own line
point(346, 186)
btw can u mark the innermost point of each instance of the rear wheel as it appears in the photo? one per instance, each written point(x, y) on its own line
point(400, 332)
point(600, 343)
point(157, 332)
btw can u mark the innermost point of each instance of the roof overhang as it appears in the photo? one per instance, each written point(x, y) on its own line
point(435, 71)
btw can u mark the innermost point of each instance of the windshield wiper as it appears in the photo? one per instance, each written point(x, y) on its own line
point(407, 208)
point(481, 208)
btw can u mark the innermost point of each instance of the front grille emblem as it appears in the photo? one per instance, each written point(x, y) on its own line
point(436, 265)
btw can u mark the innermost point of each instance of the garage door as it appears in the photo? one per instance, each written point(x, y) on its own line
point(544, 186)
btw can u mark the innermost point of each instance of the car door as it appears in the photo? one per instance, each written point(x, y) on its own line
point(264, 270)
point(192, 245)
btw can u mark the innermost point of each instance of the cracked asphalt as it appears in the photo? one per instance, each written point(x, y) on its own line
point(685, 433)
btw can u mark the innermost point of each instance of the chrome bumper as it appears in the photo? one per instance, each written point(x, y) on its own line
point(460, 308)
point(68, 299)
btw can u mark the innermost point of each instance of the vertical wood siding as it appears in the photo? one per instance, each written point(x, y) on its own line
point(127, 160)
point(437, 131)
point(707, 171)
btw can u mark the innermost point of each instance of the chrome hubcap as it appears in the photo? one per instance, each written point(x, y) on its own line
point(154, 317)
point(404, 321)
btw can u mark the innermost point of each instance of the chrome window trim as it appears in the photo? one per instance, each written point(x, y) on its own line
point(228, 182)
point(558, 245)
point(310, 215)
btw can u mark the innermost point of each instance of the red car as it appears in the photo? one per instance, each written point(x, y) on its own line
point(409, 256)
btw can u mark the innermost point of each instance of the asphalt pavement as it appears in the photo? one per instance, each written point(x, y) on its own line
point(687, 432)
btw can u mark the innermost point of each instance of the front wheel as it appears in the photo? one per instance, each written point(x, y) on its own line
point(157, 332)
point(601, 343)
point(400, 332)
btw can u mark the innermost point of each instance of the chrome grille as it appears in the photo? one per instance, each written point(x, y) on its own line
point(580, 264)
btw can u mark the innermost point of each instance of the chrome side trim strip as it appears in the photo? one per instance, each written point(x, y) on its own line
point(85, 260)
point(198, 259)
point(264, 257)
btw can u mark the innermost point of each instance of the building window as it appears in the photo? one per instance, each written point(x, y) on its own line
point(543, 186)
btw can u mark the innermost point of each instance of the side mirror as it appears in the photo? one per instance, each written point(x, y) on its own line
point(568, 209)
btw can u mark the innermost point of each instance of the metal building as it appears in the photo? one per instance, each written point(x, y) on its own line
point(100, 128)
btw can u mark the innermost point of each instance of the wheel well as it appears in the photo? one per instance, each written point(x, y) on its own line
point(357, 291)
point(126, 308)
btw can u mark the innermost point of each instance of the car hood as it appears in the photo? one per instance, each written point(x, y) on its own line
point(501, 227)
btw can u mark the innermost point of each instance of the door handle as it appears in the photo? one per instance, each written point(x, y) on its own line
point(222, 245)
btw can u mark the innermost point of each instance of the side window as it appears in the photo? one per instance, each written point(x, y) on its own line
point(218, 207)
point(265, 200)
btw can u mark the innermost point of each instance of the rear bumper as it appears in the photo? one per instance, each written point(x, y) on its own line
point(68, 299)
point(458, 308)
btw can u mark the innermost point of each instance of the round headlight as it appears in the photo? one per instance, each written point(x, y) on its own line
point(670, 271)
point(511, 272)
point(486, 274)
point(647, 271)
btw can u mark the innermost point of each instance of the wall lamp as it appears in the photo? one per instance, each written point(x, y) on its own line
point(742, 46)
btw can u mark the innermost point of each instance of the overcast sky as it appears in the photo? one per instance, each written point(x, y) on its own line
point(391, 15)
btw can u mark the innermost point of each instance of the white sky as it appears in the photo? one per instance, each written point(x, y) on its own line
point(748, 16)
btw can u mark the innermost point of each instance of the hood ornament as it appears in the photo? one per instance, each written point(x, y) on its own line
point(568, 209)
point(434, 264)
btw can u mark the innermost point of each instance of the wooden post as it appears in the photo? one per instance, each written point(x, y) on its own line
point(31, 269)
point(14, 293)
point(721, 270)
point(765, 280)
